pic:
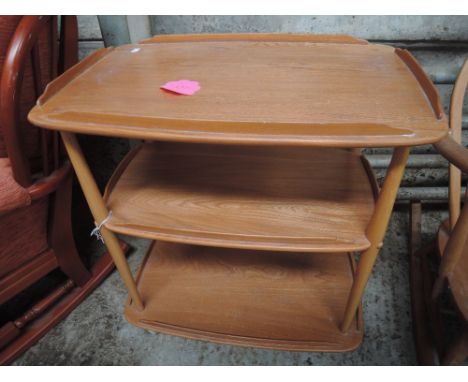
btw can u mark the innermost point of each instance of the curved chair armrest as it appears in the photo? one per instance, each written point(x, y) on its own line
point(454, 152)
point(49, 184)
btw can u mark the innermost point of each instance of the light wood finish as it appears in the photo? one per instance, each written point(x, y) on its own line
point(289, 301)
point(275, 198)
point(295, 93)
point(456, 113)
point(376, 231)
point(259, 37)
point(100, 212)
point(454, 152)
point(424, 81)
point(282, 91)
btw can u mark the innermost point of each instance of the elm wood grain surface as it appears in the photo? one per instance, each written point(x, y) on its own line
point(272, 37)
point(347, 95)
point(252, 92)
point(289, 301)
point(275, 198)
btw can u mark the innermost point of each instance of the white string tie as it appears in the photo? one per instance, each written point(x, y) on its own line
point(97, 231)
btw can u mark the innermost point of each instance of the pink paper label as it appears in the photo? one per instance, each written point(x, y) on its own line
point(184, 87)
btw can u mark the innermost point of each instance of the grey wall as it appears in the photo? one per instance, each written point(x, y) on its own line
point(367, 27)
point(89, 34)
point(440, 44)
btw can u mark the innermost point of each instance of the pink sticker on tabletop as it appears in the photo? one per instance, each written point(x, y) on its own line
point(184, 87)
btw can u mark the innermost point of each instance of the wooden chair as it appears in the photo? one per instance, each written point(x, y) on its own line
point(450, 251)
point(35, 183)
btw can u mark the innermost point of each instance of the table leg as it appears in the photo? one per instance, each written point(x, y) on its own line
point(376, 232)
point(99, 210)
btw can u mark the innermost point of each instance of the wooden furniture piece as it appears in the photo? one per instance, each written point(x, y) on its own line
point(450, 254)
point(35, 188)
point(249, 186)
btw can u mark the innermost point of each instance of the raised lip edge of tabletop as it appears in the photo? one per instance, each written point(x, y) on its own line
point(168, 133)
point(255, 37)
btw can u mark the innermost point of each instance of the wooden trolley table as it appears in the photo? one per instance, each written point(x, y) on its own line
point(252, 187)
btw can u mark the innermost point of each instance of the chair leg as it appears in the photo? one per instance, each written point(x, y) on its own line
point(61, 236)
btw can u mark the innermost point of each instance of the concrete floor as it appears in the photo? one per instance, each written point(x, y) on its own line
point(96, 333)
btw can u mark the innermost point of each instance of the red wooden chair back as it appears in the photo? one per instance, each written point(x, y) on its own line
point(31, 61)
